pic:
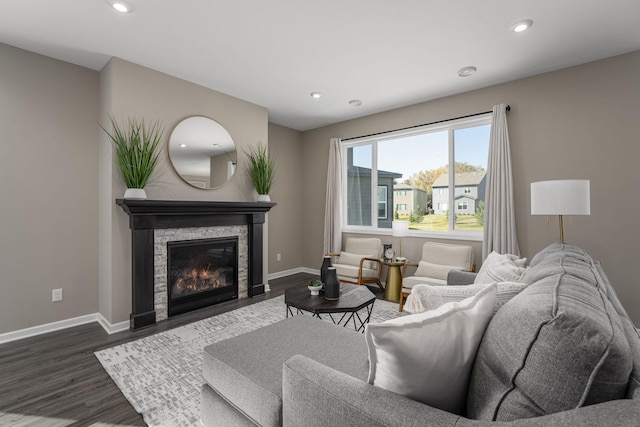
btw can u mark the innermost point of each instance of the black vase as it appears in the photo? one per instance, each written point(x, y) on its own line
point(332, 284)
point(326, 263)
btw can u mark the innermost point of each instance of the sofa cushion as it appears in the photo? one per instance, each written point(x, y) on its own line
point(350, 271)
point(632, 334)
point(428, 356)
point(347, 258)
point(247, 370)
point(448, 254)
point(438, 271)
point(556, 346)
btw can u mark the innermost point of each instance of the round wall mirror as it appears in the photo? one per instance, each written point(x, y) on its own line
point(202, 152)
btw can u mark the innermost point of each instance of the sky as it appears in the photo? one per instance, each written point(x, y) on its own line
point(408, 155)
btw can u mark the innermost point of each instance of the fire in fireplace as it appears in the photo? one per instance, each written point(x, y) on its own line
point(201, 273)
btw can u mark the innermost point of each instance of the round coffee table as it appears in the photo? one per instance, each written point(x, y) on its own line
point(353, 298)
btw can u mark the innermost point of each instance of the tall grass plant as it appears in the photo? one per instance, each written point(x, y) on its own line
point(137, 150)
point(261, 168)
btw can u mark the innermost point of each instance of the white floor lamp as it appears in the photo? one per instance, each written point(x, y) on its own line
point(561, 197)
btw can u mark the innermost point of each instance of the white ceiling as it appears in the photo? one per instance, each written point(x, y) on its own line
point(388, 53)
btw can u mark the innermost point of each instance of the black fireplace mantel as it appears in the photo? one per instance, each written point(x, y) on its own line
point(147, 215)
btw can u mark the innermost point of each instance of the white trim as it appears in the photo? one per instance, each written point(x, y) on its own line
point(450, 126)
point(63, 324)
point(112, 328)
point(286, 273)
point(472, 236)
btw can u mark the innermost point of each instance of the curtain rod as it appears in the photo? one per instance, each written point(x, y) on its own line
point(424, 124)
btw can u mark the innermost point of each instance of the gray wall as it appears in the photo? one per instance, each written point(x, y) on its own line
point(580, 122)
point(133, 90)
point(287, 222)
point(48, 187)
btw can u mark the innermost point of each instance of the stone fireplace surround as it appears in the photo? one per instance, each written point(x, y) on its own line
point(161, 258)
point(186, 220)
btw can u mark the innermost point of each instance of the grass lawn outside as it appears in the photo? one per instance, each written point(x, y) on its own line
point(441, 223)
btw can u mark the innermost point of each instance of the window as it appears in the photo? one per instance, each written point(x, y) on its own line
point(382, 202)
point(420, 157)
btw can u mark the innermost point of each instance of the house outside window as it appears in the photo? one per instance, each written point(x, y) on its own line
point(382, 202)
point(409, 200)
point(410, 171)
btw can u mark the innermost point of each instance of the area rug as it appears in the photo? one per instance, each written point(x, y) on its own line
point(160, 375)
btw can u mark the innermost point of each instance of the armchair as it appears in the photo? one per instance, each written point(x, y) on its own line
point(437, 260)
point(359, 263)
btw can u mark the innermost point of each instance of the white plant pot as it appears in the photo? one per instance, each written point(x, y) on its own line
point(135, 193)
point(264, 198)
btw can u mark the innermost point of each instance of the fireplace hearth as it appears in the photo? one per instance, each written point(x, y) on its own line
point(201, 273)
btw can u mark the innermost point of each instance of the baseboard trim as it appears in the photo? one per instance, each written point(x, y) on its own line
point(64, 324)
point(286, 273)
point(110, 328)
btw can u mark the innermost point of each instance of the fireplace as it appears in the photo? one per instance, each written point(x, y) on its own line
point(201, 273)
point(154, 223)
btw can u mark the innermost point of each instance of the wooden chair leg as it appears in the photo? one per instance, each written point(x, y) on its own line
point(403, 297)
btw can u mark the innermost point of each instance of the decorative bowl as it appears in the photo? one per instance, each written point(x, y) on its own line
point(315, 290)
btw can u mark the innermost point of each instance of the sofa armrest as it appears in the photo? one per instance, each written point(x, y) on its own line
point(315, 395)
point(459, 277)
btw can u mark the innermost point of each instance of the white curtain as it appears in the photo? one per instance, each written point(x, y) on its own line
point(499, 215)
point(333, 205)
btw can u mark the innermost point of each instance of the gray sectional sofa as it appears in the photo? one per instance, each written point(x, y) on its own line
point(562, 352)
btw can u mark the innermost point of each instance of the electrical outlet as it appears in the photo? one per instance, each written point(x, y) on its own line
point(278, 257)
point(56, 295)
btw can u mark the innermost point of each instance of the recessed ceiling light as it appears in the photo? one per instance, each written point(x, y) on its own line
point(316, 95)
point(355, 102)
point(467, 71)
point(121, 6)
point(183, 145)
point(522, 25)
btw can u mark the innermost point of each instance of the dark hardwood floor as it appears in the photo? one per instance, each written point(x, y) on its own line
point(56, 375)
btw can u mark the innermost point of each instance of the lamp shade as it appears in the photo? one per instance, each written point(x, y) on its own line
point(399, 228)
point(561, 197)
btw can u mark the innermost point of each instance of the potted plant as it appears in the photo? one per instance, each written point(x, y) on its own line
point(136, 153)
point(261, 171)
point(314, 286)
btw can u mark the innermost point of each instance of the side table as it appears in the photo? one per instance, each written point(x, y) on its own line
point(393, 285)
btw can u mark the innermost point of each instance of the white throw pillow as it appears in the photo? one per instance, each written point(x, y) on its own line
point(428, 356)
point(437, 271)
point(354, 259)
point(427, 297)
point(501, 268)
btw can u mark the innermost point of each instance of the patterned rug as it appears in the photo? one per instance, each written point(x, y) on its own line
point(161, 374)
